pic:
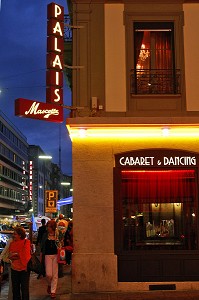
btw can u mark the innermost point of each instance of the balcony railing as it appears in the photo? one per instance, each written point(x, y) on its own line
point(155, 81)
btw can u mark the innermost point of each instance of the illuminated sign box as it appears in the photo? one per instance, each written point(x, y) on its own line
point(55, 61)
point(55, 49)
point(53, 93)
point(51, 197)
point(55, 44)
point(54, 78)
point(55, 11)
point(55, 28)
point(38, 110)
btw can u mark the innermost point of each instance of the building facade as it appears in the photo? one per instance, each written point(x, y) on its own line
point(135, 144)
point(40, 178)
point(13, 169)
point(63, 184)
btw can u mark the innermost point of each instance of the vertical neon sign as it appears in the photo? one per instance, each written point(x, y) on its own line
point(55, 49)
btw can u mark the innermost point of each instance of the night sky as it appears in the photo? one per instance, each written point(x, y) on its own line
point(23, 36)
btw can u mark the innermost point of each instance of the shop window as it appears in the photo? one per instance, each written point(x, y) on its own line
point(154, 59)
point(159, 210)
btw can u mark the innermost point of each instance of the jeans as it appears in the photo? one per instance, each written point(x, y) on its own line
point(20, 284)
point(51, 271)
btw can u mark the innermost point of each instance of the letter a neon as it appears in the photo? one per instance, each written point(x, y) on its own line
point(57, 28)
point(57, 62)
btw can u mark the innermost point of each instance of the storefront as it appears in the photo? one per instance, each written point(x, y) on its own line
point(156, 215)
point(135, 206)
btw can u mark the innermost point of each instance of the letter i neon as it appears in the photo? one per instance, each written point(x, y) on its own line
point(57, 78)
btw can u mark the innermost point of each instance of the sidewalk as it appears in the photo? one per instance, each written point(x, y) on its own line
point(38, 292)
point(149, 295)
point(38, 287)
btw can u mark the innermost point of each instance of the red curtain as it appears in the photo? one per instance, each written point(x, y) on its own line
point(163, 50)
point(158, 186)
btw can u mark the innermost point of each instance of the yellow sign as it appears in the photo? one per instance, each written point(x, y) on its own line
point(51, 198)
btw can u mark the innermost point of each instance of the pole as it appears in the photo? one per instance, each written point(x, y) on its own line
point(60, 146)
point(30, 232)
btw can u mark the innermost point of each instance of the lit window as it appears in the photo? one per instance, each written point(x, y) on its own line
point(154, 60)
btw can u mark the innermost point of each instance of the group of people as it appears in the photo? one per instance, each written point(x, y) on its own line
point(51, 236)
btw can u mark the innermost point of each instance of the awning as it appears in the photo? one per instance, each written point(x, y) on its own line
point(64, 201)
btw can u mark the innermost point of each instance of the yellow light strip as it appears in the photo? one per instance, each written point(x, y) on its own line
point(133, 132)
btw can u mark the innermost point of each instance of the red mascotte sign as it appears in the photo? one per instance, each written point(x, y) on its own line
point(38, 110)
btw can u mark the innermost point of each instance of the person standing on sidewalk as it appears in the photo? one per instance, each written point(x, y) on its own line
point(68, 242)
point(19, 255)
point(41, 231)
point(49, 250)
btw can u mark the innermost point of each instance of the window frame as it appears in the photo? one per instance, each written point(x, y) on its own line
point(162, 81)
point(138, 104)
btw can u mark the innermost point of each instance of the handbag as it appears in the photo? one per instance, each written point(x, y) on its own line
point(61, 256)
point(35, 265)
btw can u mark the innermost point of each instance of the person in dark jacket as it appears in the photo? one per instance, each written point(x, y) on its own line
point(41, 231)
point(68, 242)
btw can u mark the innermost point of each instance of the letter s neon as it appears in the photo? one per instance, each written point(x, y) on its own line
point(57, 94)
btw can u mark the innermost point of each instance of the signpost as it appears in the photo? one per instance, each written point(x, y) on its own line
point(51, 197)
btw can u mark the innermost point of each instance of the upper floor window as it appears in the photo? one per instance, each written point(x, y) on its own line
point(154, 59)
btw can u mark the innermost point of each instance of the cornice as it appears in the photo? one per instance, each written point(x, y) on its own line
point(133, 1)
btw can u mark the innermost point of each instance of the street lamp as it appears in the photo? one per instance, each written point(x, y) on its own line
point(45, 157)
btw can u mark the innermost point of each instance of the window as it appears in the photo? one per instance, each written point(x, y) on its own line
point(159, 210)
point(154, 60)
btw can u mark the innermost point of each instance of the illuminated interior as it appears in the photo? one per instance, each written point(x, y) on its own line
point(159, 209)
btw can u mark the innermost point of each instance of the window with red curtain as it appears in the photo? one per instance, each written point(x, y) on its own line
point(154, 57)
point(159, 209)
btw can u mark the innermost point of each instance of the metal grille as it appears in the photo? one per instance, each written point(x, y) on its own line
point(155, 81)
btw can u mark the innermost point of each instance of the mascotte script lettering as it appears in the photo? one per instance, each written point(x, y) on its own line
point(34, 110)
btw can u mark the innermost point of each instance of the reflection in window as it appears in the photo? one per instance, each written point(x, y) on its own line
point(159, 209)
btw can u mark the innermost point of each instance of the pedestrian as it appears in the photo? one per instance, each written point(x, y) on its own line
point(49, 250)
point(4, 257)
point(41, 231)
point(61, 230)
point(68, 242)
point(61, 219)
point(19, 255)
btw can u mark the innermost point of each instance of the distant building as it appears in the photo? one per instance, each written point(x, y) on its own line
point(14, 197)
point(40, 179)
point(62, 183)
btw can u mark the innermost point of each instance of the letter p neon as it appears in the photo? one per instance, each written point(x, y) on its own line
point(51, 195)
point(57, 11)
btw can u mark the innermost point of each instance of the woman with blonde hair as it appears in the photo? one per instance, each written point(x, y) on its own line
point(49, 250)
